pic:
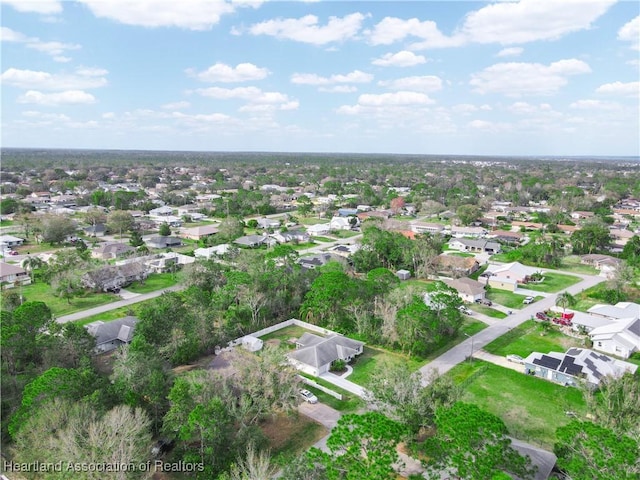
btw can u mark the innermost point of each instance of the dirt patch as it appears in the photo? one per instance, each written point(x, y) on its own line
point(275, 342)
point(292, 431)
point(104, 363)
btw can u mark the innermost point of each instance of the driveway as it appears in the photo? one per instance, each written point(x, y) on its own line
point(498, 360)
point(321, 413)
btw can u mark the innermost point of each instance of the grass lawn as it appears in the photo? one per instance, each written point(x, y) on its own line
point(553, 282)
point(303, 246)
point(500, 257)
point(312, 220)
point(322, 239)
point(531, 337)
point(470, 327)
point(41, 292)
point(488, 311)
point(35, 248)
point(475, 275)
point(508, 299)
point(284, 334)
point(156, 281)
point(350, 403)
point(374, 358)
point(572, 264)
point(531, 408)
point(113, 314)
point(414, 282)
point(462, 254)
point(344, 233)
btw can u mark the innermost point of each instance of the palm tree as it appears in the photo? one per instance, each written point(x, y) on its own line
point(565, 300)
point(32, 263)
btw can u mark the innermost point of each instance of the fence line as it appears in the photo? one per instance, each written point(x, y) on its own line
point(321, 387)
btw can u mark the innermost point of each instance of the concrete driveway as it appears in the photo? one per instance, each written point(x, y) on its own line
point(321, 413)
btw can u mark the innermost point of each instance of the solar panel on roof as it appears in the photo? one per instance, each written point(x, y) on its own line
point(569, 366)
point(547, 361)
point(573, 352)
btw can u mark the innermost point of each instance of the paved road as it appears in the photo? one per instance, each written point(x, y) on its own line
point(120, 303)
point(461, 352)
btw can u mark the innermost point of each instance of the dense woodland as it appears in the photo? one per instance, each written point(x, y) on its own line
point(58, 402)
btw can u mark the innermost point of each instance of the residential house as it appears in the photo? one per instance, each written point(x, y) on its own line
point(619, 311)
point(268, 223)
point(423, 227)
point(605, 264)
point(163, 242)
point(110, 335)
point(161, 211)
point(198, 233)
point(527, 225)
point(620, 338)
point(620, 237)
point(341, 223)
point(111, 250)
point(319, 229)
point(508, 276)
point(12, 276)
point(382, 214)
point(11, 241)
point(575, 366)
point(167, 262)
point(210, 252)
point(345, 250)
point(475, 246)
point(114, 276)
point(581, 215)
point(473, 232)
point(291, 236)
point(347, 212)
point(315, 354)
point(458, 266)
point(314, 261)
point(97, 230)
point(468, 289)
point(253, 241)
point(506, 236)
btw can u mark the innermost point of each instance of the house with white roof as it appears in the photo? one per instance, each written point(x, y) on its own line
point(620, 338)
point(340, 223)
point(508, 276)
point(210, 252)
point(315, 354)
point(319, 229)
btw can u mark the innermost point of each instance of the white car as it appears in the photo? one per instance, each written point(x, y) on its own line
point(528, 300)
point(308, 396)
point(464, 310)
point(515, 358)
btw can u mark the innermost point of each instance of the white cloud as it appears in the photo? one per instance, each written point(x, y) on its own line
point(404, 58)
point(176, 105)
point(589, 104)
point(516, 79)
point(31, 79)
point(630, 32)
point(386, 102)
point(630, 89)
point(221, 72)
point(201, 117)
point(487, 126)
point(510, 52)
point(392, 29)
point(524, 108)
point(307, 30)
point(425, 83)
point(8, 35)
point(69, 97)
point(338, 89)
point(44, 7)
point(252, 95)
point(61, 59)
point(191, 15)
point(55, 49)
point(312, 79)
point(531, 20)
point(57, 117)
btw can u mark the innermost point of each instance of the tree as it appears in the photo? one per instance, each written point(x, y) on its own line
point(468, 213)
point(592, 237)
point(56, 228)
point(631, 251)
point(361, 446)
point(95, 216)
point(135, 240)
point(164, 230)
point(320, 306)
point(120, 221)
point(587, 450)
point(67, 285)
point(473, 444)
point(255, 465)
point(399, 393)
point(565, 300)
point(230, 229)
point(304, 205)
point(616, 404)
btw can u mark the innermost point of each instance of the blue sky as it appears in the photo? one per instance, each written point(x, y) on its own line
point(535, 77)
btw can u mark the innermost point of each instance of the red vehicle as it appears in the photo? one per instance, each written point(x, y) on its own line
point(563, 321)
point(543, 316)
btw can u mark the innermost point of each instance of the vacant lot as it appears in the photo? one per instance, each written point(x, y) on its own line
point(41, 292)
point(154, 282)
point(532, 337)
point(531, 408)
point(488, 311)
point(553, 282)
point(507, 299)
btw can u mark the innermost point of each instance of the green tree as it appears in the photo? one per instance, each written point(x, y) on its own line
point(592, 237)
point(135, 240)
point(56, 228)
point(164, 230)
point(320, 306)
point(304, 205)
point(616, 404)
point(230, 229)
point(473, 444)
point(631, 251)
point(120, 221)
point(361, 446)
point(587, 450)
point(565, 300)
point(468, 213)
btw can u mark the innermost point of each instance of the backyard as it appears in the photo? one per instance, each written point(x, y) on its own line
point(488, 311)
point(155, 281)
point(530, 337)
point(41, 292)
point(507, 299)
point(532, 408)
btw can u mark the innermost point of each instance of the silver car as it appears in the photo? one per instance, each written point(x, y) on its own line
point(308, 396)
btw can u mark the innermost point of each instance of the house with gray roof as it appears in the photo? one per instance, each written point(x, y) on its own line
point(111, 250)
point(315, 354)
point(254, 241)
point(620, 338)
point(110, 335)
point(575, 366)
point(468, 289)
point(113, 277)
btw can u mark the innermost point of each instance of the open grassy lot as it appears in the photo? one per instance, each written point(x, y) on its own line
point(374, 358)
point(344, 233)
point(313, 220)
point(291, 434)
point(553, 282)
point(322, 239)
point(572, 264)
point(531, 337)
point(156, 281)
point(508, 299)
point(41, 292)
point(532, 408)
point(488, 311)
point(462, 254)
point(350, 403)
point(113, 314)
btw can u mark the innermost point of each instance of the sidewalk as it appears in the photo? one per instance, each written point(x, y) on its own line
point(344, 384)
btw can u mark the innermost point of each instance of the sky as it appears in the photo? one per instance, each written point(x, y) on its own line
point(534, 77)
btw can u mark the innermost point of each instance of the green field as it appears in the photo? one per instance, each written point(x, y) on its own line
point(572, 264)
point(350, 403)
point(532, 337)
point(41, 292)
point(553, 282)
point(153, 282)
point(322, 239)
point(507, 299)
point(488, 311)
point(375, 358)
point(532, 408)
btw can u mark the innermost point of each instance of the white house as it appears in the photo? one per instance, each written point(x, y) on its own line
point(507, 277)
point(620, 338)
point(319, 229)
point(11, 241)
point(315, 354)
point(468, 289)
point(211, 251)
point(340, 223)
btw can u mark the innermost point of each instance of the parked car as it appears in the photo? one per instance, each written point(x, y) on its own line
point(13, 252)
point(528, 300)
point(308, 396)
point(464, 310)
point(487, 302)
point(515, 358)
point(542, 316)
